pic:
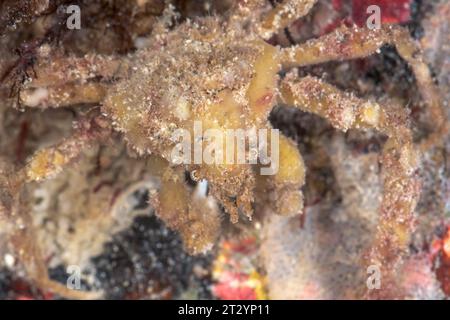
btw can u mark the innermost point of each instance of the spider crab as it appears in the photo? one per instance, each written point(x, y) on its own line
point(222, 71)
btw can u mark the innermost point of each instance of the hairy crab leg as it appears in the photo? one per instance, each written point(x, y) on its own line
point(350, 43)
point(58, 81)
point(399, 159)
point(283, 189)
point(54, 69)
point(64, 95)
point(47, 162)
point(191, 213)
point(283, 15)
point(284, 186)
point(44, 164)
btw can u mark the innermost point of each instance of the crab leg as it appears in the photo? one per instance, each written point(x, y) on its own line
point(190, 212)
point(283, 15)
point(65, 95)
point(47, 162)
point(283, 189)
point(399, 158)
point(58, 81)
point(351, 43)
point(55, 69)
point(44, 164)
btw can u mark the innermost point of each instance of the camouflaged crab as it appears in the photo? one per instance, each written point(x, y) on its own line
point(222, 71)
